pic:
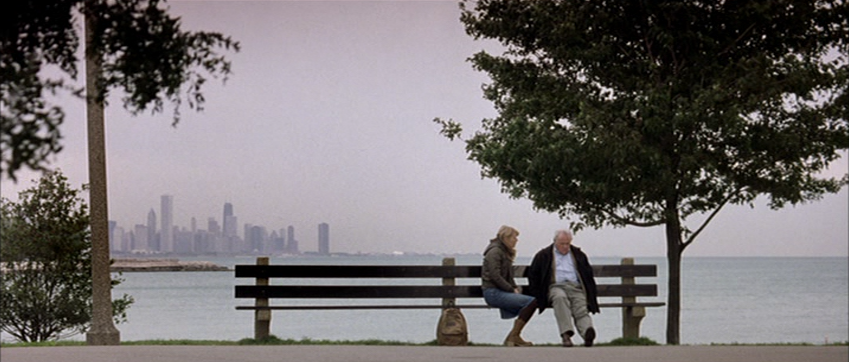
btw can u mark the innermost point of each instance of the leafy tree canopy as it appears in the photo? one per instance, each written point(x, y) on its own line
point(617, 111)
point(145, 53)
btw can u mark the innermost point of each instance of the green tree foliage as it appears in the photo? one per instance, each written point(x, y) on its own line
point(46, 263)
point(650, 113)
point(145, 53)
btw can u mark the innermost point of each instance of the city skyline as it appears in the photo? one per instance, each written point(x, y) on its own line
point(256, 239)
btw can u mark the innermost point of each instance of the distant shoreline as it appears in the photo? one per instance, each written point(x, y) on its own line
point(157, 265)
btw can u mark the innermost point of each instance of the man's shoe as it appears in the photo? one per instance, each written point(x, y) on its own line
point(589, 337)
point(567, 339)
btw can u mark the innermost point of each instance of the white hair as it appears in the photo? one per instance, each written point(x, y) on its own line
point(562, 232)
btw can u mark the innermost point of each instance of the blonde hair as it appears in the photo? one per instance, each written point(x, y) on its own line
point(505, 232)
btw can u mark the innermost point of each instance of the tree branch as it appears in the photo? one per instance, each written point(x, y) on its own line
point(713, 214)
point(631, 222)
point(739, 38)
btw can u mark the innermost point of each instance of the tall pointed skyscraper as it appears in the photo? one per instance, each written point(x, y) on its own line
point(167, 234)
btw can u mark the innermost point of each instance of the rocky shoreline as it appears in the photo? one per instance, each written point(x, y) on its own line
point(156, 265)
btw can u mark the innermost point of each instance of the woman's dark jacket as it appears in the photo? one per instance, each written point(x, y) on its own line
point(541, 275)
point(497, 271)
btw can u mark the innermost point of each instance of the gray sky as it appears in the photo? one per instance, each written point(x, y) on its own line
point(328, 118)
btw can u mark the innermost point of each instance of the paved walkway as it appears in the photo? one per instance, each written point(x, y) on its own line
point(423, 354)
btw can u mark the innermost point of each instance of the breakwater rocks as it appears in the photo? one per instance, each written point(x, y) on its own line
point(154, 265)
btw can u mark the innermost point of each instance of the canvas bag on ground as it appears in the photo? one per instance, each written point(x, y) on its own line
point(451, 329)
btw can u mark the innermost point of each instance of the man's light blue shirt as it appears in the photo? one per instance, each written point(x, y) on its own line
point(564, 270)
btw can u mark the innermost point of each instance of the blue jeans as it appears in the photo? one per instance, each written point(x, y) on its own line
point(510, 304)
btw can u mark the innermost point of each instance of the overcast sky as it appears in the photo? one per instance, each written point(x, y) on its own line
point(328, 118)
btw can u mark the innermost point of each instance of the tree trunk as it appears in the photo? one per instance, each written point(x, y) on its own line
point(102, 331)
point(673, 257)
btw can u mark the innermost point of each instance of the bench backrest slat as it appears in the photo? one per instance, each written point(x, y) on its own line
point(413, 271)
point(605, 271)
point(356, 271)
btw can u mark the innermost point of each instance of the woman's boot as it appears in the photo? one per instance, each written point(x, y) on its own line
point(514, 339)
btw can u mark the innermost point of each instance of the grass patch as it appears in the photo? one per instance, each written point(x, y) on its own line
point(275, 341)
point(641, 341)
point(179, 342)
point(43, 344)
point(833, 344)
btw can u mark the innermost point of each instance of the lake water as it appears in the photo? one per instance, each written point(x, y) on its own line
point(724, 300)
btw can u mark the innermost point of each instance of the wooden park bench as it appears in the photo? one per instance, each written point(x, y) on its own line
point(369, 283)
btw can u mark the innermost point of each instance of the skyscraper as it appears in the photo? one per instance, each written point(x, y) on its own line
point(212, 226)
point(152, 242)
point(141, 242)
point(230, 226)
point(256, 239)
point(291, 243)
point(167, 234)
point(323, 239)
point(118, 238)
point(229, 230)
point(112, 239)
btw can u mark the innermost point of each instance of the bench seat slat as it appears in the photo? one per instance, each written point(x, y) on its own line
point(384, 306)
point(354, 291)
point(409, 291)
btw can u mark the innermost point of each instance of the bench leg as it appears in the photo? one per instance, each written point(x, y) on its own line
point(631, 318)
point(262, 324)
point(262, 317)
